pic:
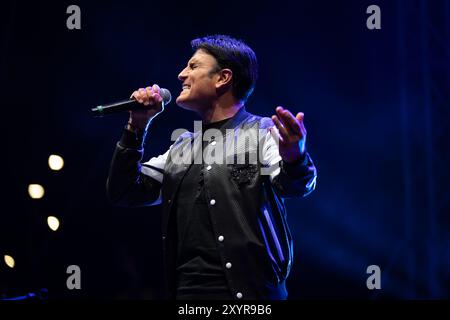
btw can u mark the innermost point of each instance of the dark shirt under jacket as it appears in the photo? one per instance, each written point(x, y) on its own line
point(199, 269)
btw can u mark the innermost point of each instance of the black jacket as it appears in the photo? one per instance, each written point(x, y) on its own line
point(246, 199)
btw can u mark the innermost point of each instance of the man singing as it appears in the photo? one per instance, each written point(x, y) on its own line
point(222, 188)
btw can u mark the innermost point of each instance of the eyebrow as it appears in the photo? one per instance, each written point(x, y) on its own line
point(193, 61)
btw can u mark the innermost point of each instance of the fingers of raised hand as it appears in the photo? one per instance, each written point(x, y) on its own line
point(275, 133)
point(290, 122)
point(300, 116)
point(281, 130)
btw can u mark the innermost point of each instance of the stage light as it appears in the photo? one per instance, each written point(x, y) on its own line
point(55, 162)
point(36, 191)
point(53, 223)
point(9, 261)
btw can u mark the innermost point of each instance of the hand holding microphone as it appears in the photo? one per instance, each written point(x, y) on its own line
point(151, 98)
point(143, 105)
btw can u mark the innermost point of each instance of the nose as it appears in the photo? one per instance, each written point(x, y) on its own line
point(182, 75)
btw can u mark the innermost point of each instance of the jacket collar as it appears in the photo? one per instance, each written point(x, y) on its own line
point(232, 123)
point(235, 120)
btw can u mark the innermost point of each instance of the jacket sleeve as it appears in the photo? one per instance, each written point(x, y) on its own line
point(131, 183)
point(288, 179)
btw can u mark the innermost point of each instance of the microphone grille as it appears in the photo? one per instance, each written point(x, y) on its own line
point(165, 94)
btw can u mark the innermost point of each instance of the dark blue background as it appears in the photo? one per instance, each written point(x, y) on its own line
point(376, 107)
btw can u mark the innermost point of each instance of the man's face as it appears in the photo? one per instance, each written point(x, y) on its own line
point(198, 82)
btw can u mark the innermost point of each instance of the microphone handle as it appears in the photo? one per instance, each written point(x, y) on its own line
point(120, 106)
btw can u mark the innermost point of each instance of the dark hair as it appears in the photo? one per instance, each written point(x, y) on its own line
point(235, 55)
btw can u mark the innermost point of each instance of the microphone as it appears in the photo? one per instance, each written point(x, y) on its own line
point(127, 105)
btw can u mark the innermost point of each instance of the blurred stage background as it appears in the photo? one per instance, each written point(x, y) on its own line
point(376, 107)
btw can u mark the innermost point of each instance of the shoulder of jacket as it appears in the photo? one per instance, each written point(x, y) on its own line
point(263, 122)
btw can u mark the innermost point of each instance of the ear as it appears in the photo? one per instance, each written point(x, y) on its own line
point(224, 78)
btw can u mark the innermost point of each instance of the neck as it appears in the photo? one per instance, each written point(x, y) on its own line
point(220, 110)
